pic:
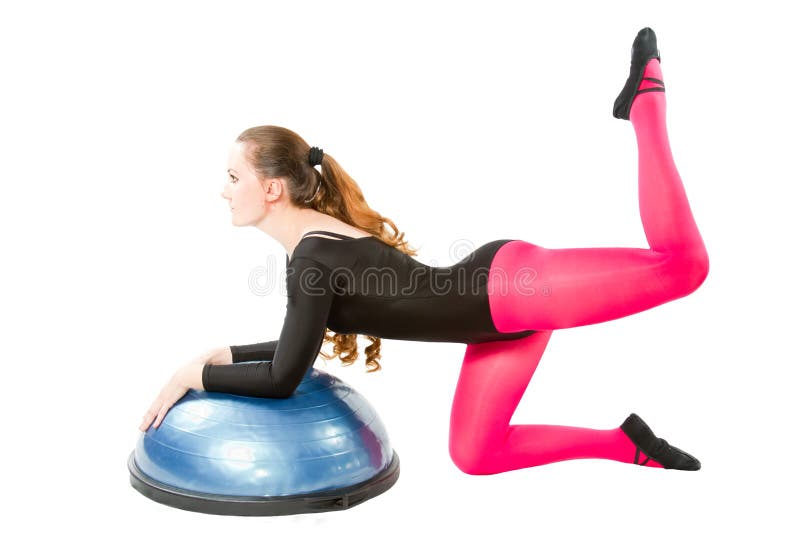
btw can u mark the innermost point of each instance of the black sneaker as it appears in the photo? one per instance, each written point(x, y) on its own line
point(656, 448)
point(643, 50)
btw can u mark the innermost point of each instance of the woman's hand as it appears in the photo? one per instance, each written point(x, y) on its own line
point(169, 395)
point(188, 376)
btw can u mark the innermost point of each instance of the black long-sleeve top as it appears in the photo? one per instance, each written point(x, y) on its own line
point(361, 286)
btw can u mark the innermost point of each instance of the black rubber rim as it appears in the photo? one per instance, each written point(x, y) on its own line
point(209, 503)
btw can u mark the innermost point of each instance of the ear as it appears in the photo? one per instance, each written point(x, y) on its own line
point(273, 188)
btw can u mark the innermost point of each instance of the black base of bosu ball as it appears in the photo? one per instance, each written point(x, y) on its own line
point(208, 503)
point(322, 449)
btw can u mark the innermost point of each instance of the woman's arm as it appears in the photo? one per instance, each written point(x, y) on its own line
point(264, 351)
point(190, 376)
point(309, 300)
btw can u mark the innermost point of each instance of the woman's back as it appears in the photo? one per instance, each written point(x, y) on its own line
point(383, 292)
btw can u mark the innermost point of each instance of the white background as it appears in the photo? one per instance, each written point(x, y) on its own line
point(458, 120)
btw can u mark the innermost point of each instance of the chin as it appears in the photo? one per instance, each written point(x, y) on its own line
point(235, 221)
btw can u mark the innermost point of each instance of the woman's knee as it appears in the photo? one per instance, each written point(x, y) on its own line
point(467, 457)
point(690, 269)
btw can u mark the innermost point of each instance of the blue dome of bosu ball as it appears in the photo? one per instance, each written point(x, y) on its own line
point(322, 449)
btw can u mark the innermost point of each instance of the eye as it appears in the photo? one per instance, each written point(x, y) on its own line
point(233, 178)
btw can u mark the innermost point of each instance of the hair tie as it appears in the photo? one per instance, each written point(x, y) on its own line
point(315, 156)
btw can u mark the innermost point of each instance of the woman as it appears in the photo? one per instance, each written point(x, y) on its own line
point(346, 272)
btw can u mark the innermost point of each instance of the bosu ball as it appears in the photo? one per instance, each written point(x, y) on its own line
point(322, 449)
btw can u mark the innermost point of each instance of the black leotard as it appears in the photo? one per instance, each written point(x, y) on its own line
point(361, 286)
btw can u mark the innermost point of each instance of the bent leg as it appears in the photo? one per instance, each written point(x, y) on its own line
point(533, 287)
point(493, 378)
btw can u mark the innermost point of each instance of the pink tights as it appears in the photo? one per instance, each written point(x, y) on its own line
point(532, 287)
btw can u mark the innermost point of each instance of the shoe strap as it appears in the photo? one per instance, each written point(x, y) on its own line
point(636, 458)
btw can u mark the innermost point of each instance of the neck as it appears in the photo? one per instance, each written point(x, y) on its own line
point(287, 224)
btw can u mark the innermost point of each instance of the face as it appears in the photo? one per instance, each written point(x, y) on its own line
point(245, 193)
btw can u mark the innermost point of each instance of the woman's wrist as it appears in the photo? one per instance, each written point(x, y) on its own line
point(190, 375)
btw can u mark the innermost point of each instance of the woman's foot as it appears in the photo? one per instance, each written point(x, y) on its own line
point(644, 50)
point(648, 446)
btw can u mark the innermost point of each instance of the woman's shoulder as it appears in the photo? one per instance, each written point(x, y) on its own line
point(332, 252)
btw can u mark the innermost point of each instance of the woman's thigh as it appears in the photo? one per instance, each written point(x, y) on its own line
point(533, 287)
point(493, 378)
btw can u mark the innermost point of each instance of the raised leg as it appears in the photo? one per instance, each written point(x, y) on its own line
point(532, 287)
